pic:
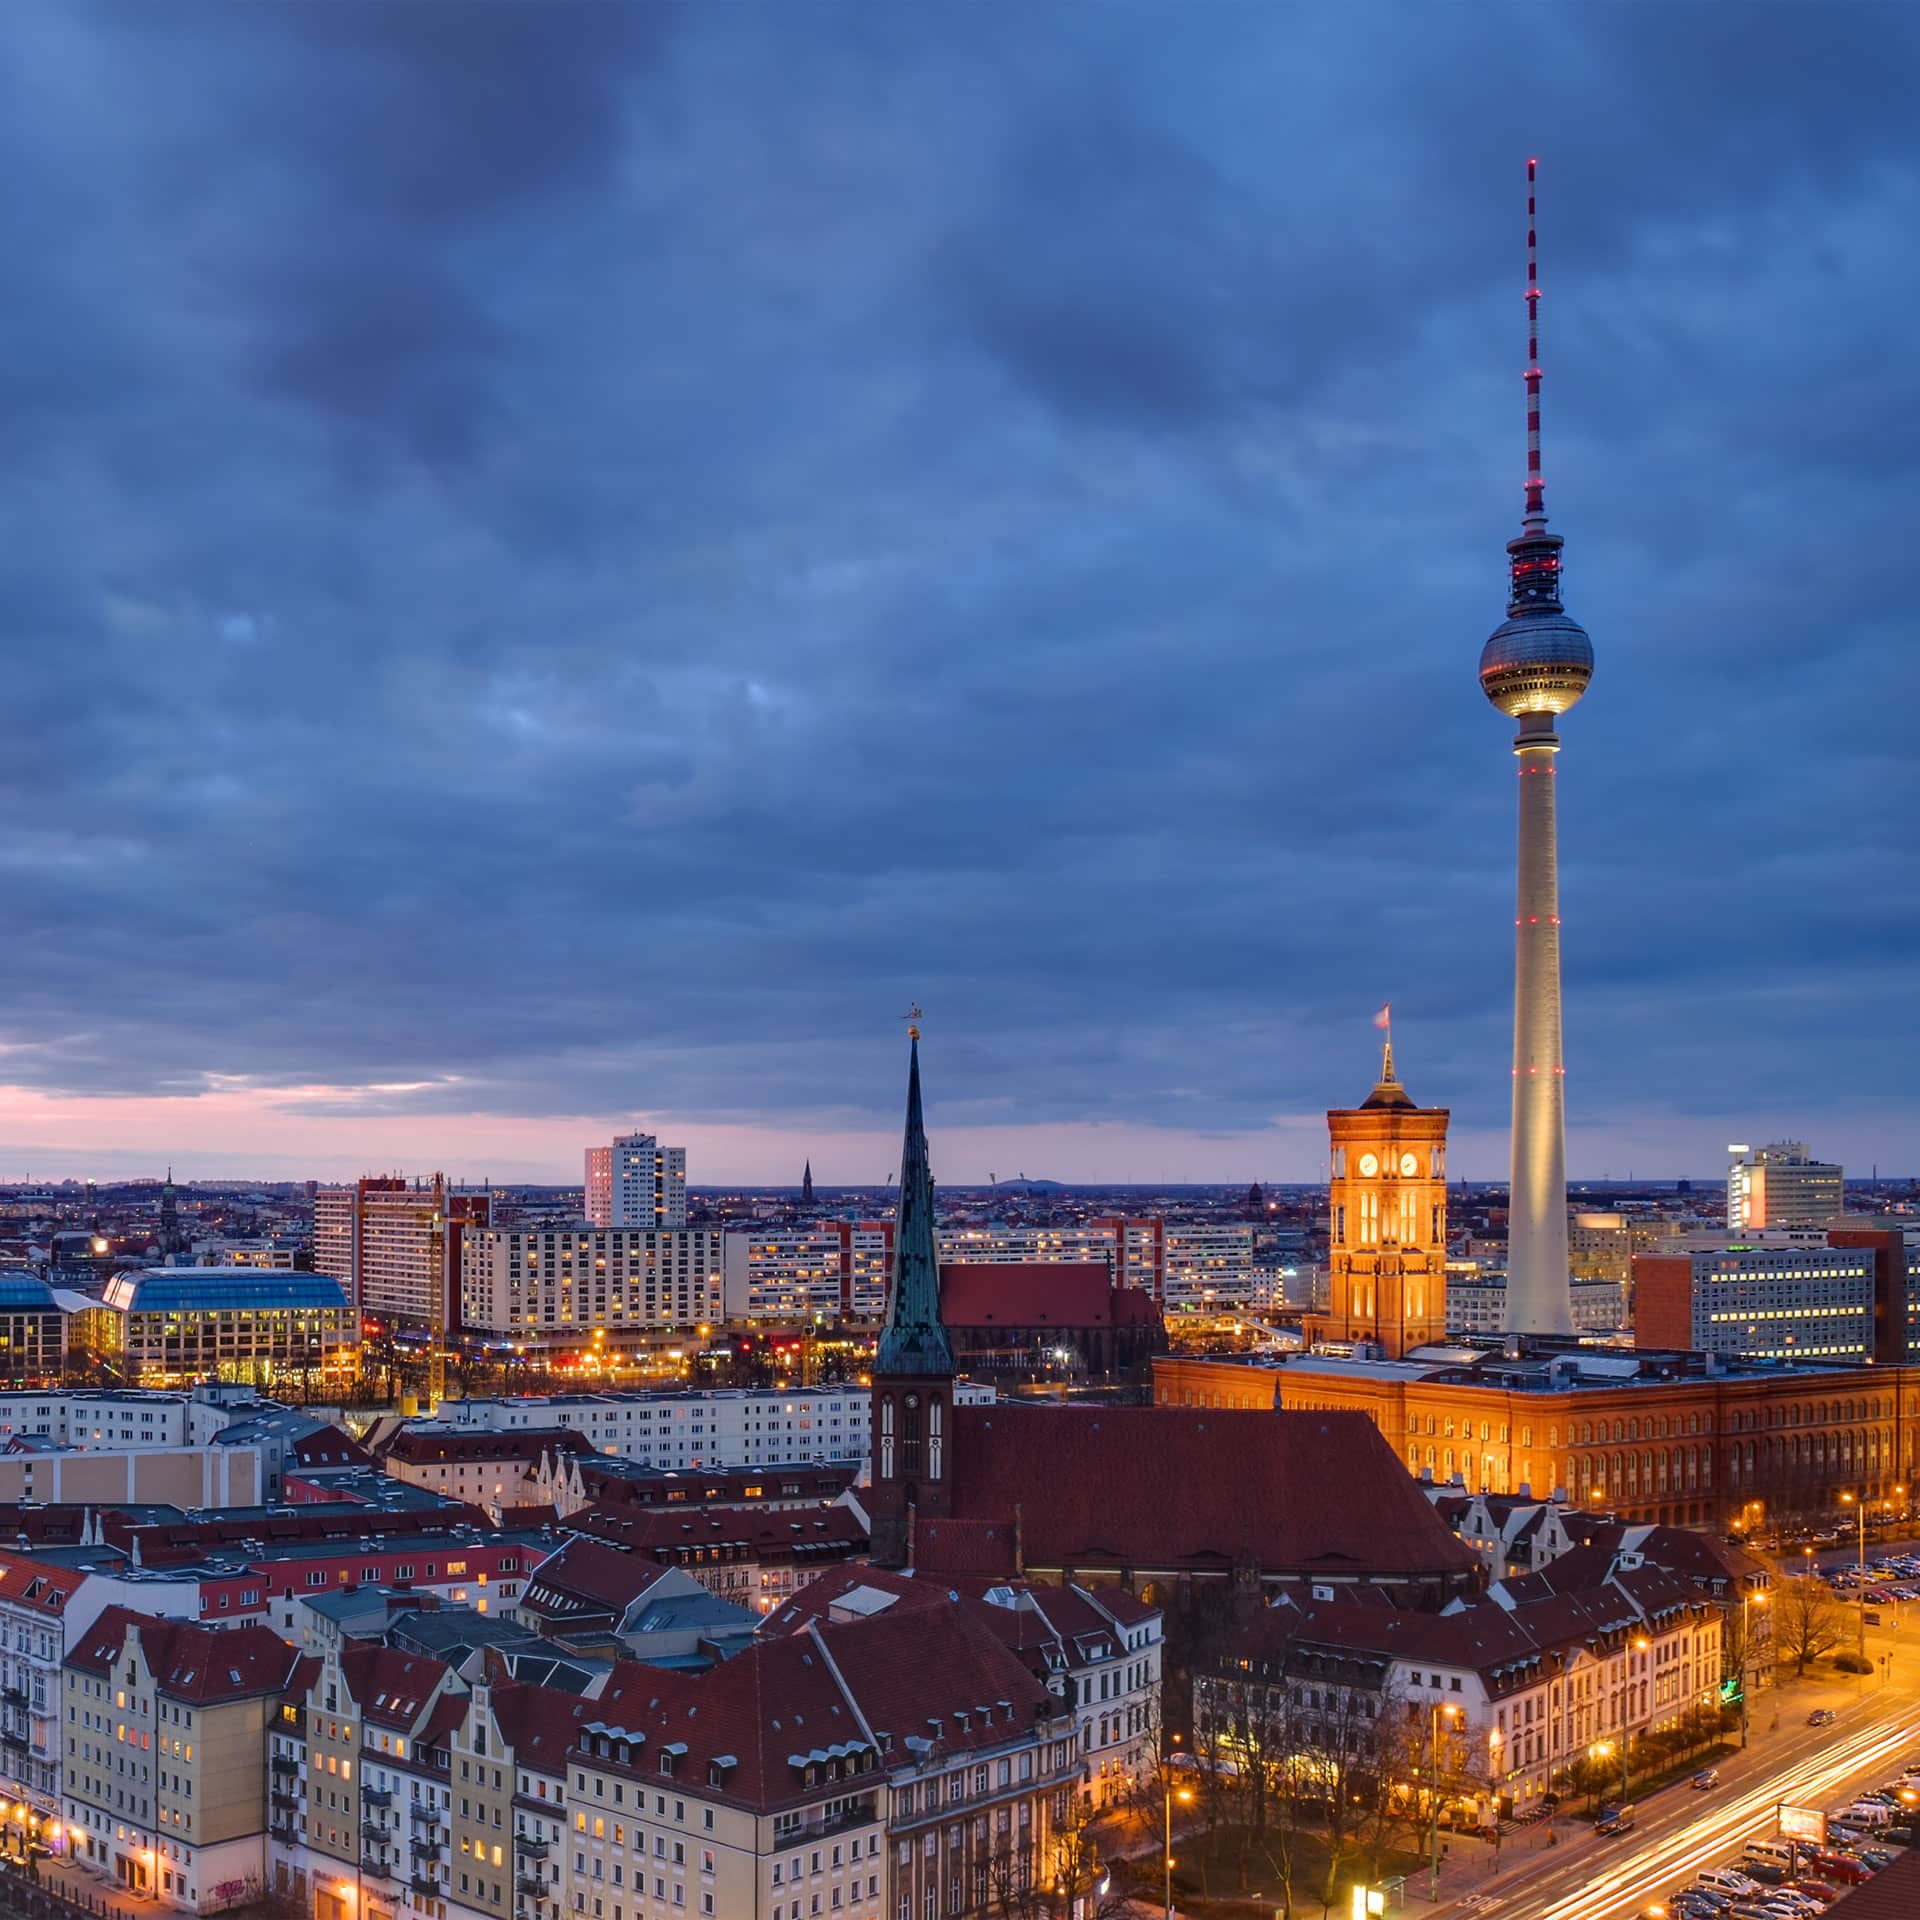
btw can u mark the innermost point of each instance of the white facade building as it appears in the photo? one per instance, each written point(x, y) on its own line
point(1209, 1267)
point(636, 1182)
point(719, 1427)
point(1782, 1186)
point(537, 1285)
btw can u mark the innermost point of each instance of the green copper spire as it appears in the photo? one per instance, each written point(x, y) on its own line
point(914, 1340)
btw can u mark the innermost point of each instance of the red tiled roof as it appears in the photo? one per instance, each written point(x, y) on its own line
point(37, 1584)
point(584, 1580)
point(189, 1662)
point(999, 1293)
point(1191, 1488)
point(664, 1533)
point(189, 1539)
point(451, 1449)
point(392, 1687)
point(966, 1550)
point(328, 1447)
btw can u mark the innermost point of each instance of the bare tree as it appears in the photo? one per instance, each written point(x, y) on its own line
point(1808, 1621)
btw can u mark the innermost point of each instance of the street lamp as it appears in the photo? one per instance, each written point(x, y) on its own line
point(1748, 1600)
point(1182, 1794)
point(1433, 1798)
point(1859, 1506)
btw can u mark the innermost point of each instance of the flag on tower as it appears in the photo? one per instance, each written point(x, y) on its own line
point(1384, 1018)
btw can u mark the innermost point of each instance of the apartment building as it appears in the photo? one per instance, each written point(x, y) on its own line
point(1209, 1267)
point(395, 1245)
point(827, 1272)
point(42, 1607)
point(549, 1288)
point(636, 1182)
point(166, 1729)
point(709, 1427)
point(1497, 1697)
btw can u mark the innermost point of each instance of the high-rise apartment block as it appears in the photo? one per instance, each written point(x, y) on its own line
point(1781, 1186)
point(532, 1284)
point(394, 1244)
point(636, 1182)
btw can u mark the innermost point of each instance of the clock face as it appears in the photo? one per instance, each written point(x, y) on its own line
point(1369, 1166)
point(1409, 1164)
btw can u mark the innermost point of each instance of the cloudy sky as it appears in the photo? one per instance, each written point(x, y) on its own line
point(561, 564)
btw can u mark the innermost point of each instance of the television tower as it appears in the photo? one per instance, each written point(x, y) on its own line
point(1534, 667)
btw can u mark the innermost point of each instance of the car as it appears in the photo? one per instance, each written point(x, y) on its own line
point(1705, 1780)
point(1821, 1890)
point(1726, 1880)
point(1875, 1858)
point(1695, 1903)
point(1770, 1873)
point(1820, 1717)
point(1791, 1900)
point(1842, 1867)
point(1612, 1820)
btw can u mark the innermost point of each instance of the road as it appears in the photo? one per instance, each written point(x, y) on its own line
point(1681, 1832)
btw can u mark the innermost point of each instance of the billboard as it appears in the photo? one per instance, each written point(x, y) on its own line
point(1802, 1823)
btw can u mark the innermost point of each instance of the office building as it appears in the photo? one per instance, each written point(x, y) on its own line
point(546, 1287)
point(395, 1245)
point(1387, 1264)
point(171, 1326)
point(636, 1182)
point(1477, 1304)
point(1758, 1300)
point(33, 1330)
point(1781, 1186)
point(1534, 667)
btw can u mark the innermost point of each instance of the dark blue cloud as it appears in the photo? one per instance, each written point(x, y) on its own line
point(598, 550)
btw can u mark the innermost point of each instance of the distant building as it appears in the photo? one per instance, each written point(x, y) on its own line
point(636, 1182)
point(394, 1245)
point(1781, 1186)
point(171, 1326)
point(1032, 1321)
point(546, 1287)
point(1477, 1304)
point(33, 1329)
point(1766, 1296)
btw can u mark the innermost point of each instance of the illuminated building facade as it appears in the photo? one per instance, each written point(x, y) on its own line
point(33, 1330)
point(1387, 1265)
point(544, 1286)
point(1792, 1302)
point(1686, 1439)
point(1781, 1186)
point(395, 1245)
point(636, 1182)
point(168, 1325)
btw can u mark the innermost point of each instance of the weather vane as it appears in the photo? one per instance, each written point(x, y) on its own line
point(913, 1016)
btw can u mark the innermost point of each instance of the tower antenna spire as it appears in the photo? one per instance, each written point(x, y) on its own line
point(1536, 515)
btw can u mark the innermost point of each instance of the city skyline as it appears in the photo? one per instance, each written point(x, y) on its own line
point(1007, 519)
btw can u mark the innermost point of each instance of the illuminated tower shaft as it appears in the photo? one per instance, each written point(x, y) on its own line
point(1537, 1294)
point(1535, 665)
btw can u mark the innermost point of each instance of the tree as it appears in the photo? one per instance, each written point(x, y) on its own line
point(1808, 1622)
point(1589, 1776)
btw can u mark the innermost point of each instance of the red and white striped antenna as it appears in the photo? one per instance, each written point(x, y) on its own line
point(1536, 515)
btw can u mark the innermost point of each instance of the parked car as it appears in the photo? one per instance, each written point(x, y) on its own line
point(1706, 1780)
point(1770, 1873)
point(1875, 1858)
point(1725, 1880)
point(1822, 1890)
point(1842, 1867)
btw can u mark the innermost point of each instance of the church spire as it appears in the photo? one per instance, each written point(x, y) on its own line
point(806, 1186)
point(914, 1340)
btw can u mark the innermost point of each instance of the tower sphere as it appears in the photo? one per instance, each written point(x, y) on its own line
point(1536, 663)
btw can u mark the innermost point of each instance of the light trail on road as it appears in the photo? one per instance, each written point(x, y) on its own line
point(1654, 1869)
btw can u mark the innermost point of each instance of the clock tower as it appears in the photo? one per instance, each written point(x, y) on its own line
point(1388, 1260)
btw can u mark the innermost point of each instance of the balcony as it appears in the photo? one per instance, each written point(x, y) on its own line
point(425, 1883)
point(284, 1831)
point(377, 1796)
point(532, 1846)
point(284, 1763)
point(283, 1799)
point(379, 1863)
point(423, 1815)
point(12, 1695)
point(428, 1849)
point(532, 1885)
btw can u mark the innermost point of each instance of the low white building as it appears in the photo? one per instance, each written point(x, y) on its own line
point(713, 1427)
